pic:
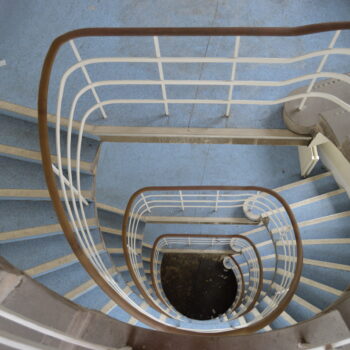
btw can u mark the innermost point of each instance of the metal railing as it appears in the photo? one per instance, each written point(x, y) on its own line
point(221, 201)
point(72, 215)
point(246, 248)
point(231, 264)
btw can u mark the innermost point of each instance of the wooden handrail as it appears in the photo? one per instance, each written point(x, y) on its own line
point(239, 301)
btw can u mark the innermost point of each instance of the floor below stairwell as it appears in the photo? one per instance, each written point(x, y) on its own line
point(198, 285)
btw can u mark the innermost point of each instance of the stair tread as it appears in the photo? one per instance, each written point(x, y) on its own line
point(23, 133)
point(37, 231)
point(19, 193)
point(35, 156)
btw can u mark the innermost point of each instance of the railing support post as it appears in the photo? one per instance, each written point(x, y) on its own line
point(233, 75)
point(319, 69)
point(161, 74)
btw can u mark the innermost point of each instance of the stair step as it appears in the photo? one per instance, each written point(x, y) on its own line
point(109, 208)
point(19, 215)
point(37, 257)
point(56, 264)
point(35, 156)
point(66, 281)
point(115, 250)
point(320, 295)
point(35, 194)
point(284, 314)
point(301, 310)
point(121, 315)
point(32, 255)
point(84, 287)
point(336, 279)
point(112, 241)
point(326, 264)
point(305, 181)
point(93, 299)
point(308, 188)
point(37, 232)
point(29, 114)
point(19, 131)
point(109, 219)
point(309, 223)
point(332, 203)
point(329, 250)
point(115, 231)
point(107, 308)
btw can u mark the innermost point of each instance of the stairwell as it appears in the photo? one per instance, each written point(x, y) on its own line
point(109, 259)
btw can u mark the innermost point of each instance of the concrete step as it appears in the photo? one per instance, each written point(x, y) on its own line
point(35, 157)
point(24, 134)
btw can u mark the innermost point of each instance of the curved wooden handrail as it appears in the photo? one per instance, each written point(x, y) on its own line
point(299, 259)
point(46, 153)
point(154, 282)
point(260, 283)
point(239, 301)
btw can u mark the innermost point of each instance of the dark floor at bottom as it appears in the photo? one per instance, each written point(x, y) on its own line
point(198, 285)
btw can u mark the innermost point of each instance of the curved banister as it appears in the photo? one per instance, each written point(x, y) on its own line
point(46, 154)
point(260, 283)
point(299, 255)
point(239, 301)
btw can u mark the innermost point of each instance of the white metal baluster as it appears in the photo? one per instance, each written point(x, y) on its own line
point(320, 67)
point(233, 75)
point(70, 185)
point(182, 201)
point(217, 200)
point(146, 204)
point(252, 204)
point(161, 74)
point(88, 79)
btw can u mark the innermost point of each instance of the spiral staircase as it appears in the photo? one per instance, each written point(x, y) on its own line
point(287, 247)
